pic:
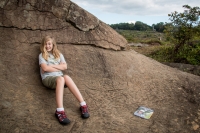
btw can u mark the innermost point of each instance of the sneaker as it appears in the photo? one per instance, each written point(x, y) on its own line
point(62, 118)
point(84, 112)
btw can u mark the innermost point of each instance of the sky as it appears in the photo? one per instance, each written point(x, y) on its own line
point(127, 11)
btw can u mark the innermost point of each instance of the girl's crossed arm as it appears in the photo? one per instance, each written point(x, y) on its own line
point(53, 68)
point(61, 66)
point(47, 68)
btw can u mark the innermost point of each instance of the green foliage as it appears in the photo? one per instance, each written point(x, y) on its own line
point(141, 26)
point(163, 54)
point(189, 54)
point(184, 31)
point(148, 37)
point(131, 26)
point(159, 27)
point(123, 26)
point(180, 43)
point(183, 27)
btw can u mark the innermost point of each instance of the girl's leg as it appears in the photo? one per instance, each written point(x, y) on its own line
point(73, 88)
point(75, 91)
point(59, 91)
point(60, 113)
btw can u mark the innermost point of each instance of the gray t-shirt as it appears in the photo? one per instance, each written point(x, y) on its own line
point(53, 61)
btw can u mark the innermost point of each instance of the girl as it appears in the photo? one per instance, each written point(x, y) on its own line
point(52, 62)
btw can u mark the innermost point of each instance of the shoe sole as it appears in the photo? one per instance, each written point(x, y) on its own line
point(85, 117)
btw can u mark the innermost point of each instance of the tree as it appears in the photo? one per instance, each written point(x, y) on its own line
point(184, 27)
point(123, 26)
point(159, 27)
point(141, 26)
point(131, 26)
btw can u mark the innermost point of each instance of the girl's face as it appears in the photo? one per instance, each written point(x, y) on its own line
point(49, 46)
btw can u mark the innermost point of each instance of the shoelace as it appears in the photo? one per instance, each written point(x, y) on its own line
point(84, 109)
point(61, 115)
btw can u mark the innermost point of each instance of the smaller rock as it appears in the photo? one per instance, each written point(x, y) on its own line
point(138, 44)
point(195, 126)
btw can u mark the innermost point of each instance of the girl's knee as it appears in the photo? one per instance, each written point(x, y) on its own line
point(60, 79)
point(66, 77)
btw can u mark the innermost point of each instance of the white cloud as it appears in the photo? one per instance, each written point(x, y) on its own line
point(131, 22)
point(147, 11)
point(135, 7)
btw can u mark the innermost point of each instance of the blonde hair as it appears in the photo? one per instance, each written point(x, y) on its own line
point(55, 51)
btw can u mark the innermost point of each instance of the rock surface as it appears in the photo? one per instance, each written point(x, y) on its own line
point(65, 20)
point(114, 83)
point(194, 69)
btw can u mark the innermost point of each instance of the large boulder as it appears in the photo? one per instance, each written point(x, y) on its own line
point(113, 81)
point(65, 20)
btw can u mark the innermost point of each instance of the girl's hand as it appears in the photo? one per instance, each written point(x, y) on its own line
point(43, 71)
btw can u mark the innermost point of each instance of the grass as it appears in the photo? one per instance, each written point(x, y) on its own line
point(160, 53)
point(156, 41)
point(160, 49)
point(142, 36)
